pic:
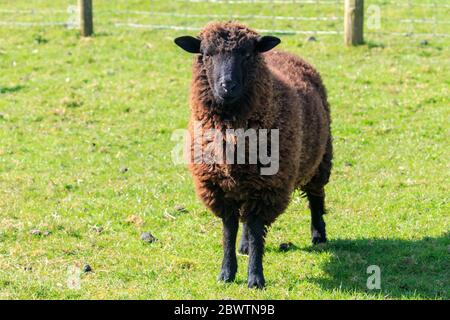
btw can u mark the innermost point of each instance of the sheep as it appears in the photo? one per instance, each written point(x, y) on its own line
point(239, 82)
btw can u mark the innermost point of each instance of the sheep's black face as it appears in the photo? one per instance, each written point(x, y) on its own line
point(228, 64)
point(227, 73)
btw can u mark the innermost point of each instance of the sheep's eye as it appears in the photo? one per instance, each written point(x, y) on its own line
point(246, 54)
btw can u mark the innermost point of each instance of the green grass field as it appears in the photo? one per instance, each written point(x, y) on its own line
point(85, 131)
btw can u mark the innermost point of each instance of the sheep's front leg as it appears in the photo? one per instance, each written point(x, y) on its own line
point(256, 230)
point(229, 262)
point(243, 245)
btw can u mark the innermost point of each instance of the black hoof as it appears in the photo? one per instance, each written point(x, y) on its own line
point(243, 249)
point(256, 281)
point(318, 238)
point(226, 276)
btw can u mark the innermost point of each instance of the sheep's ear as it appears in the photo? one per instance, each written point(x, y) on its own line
point(188, 43)
point(266, 43)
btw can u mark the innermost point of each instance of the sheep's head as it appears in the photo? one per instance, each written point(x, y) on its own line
point(230, 53)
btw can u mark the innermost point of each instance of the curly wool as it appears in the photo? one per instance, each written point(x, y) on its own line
point(284, 92)
point(226, 36)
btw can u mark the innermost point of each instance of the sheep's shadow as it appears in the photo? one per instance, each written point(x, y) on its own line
point(419, 268)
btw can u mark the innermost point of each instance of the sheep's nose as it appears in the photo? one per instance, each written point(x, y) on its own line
point(228, 86)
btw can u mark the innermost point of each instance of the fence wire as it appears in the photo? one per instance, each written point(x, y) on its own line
point(315, 17)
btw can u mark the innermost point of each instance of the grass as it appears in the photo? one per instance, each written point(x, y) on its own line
point(85, 131)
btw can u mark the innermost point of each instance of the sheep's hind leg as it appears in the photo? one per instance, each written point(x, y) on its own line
point(243, 245)
point(229, 262)
point(256, 233)
point(317, 207)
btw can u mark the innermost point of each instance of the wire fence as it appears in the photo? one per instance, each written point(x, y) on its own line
point(430, 18)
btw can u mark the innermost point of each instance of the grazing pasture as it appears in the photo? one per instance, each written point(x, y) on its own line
point(86, 164)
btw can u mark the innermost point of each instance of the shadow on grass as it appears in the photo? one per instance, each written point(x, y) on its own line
point(11, 89)
point(409, 268)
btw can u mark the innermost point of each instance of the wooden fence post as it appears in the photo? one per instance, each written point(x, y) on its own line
point(354, 22)
point(86, 18)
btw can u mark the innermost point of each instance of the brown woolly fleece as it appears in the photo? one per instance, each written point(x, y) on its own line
point(284, 92)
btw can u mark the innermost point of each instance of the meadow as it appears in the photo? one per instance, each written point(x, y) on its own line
point(86, 163)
